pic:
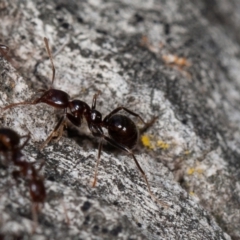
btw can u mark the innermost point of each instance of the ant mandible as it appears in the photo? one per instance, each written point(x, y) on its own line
point(11, 149)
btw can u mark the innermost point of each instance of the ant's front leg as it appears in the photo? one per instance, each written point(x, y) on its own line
point(129, 151)
point(97, 132)
point(97, 164)
point(57, 132)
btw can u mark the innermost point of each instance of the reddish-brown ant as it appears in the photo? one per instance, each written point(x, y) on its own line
point(122, 131)
point(11, 150)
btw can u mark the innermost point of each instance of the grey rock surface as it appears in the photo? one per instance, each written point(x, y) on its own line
point(158, 58)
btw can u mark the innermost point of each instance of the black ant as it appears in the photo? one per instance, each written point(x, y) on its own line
point(11, 149)
point(122, 131)
point(123, 134)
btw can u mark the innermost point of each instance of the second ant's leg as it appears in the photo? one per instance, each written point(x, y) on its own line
point(57, 132)
point(127, 150)
point(35, 209)
point(97, 163)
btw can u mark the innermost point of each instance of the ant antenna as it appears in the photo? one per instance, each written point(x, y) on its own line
point(50, 57)
point(95, 98)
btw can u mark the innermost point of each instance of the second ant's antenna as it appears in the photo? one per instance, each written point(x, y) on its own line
point(51, 59)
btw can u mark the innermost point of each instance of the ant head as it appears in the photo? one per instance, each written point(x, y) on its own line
point(96, 117)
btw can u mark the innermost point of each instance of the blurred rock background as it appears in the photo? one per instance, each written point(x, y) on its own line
point(178, 60)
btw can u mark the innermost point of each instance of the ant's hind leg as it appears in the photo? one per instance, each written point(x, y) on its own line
point(97, 163)
point(153, 196)
point(127, 150)
point(57, 132)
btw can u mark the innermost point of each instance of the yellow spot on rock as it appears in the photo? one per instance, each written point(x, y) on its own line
point(199, 170)
point(147, 142)
point(187, 152)
point(190, 171)
point(162, 145)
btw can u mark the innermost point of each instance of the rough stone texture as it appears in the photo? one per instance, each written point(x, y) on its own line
point(123, 49)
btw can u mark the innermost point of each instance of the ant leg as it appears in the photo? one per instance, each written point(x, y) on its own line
point(148, 124)
point(17, 104)
point(57, 132)
point(26, 141)
point(125, 109)
point(36, 101)
point(97, 164)
point(35, 209)
point(127, 150)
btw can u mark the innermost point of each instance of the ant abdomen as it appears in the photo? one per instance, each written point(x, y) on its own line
point(55, 98)
point(123, 130)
